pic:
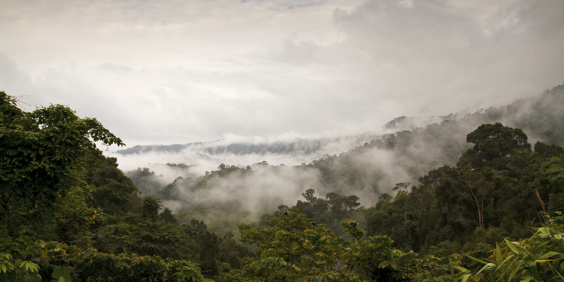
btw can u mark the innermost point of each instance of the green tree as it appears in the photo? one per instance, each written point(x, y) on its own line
point(40, 150)
point(494, 144)
point(167, 216)
point(112, 191)
point(292, 247)
point(44, 155)
point(146, 180)
point(150, 208)
point(207, 250)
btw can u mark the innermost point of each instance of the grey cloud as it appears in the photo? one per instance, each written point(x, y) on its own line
point(12, 79)
point(435, 53)
point(180, 71)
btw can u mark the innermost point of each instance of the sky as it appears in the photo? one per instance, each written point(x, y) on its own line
point(182, 71)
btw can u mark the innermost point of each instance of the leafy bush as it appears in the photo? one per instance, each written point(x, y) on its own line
point(58, 259)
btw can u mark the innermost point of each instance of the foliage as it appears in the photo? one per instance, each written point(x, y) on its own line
point(150, 208)
point(112, 190)
point(146, 180)
point(44, 155)
point(331, 210)
point(57, 259)
point(145, 238)
point(41, 150)
point(489, 194)
point(18, 269)
point(55, 185)
point(293, 247)
point(538, 258)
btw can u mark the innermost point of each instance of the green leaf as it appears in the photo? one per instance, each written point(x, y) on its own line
point(504, 261)
point(511, 245)
point(61, 274)
point(478, 260)
point(498, 255)
point(514, 271)
point(550, 254)
point(29, 266)
point(465, 277)
point(460, 268)
point(488, 266)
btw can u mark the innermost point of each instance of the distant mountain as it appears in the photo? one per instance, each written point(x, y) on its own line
point(173, 148)
point(298, 146)
point(431, 140)
point(409, 123)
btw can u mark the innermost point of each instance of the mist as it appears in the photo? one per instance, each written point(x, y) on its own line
point(252, 176)
point(235, 150)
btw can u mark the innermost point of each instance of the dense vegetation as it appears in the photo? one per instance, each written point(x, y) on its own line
point(68, 211)
point(493, 213)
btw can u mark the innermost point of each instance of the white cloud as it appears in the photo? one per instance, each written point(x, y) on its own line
point(186, 71)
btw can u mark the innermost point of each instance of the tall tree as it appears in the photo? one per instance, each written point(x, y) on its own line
point(43, 155)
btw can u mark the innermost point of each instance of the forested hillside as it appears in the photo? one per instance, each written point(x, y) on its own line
point(470, 199)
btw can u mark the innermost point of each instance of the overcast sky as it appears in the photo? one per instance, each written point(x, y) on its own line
point(161, 72)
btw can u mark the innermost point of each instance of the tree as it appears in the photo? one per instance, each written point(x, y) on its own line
point(494, 144)
point(207, 247)
point(291, 248)
point(146, 180)
point(43, 155)
point(111, 189)
point(167, 216)
point(150, 208)
point(39, 150)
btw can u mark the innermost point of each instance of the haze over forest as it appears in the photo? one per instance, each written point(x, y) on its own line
point(244, 177)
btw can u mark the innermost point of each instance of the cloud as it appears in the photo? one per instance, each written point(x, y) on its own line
point(179, 72)
point(12, 78)
point(256, 191)
point(436, 56)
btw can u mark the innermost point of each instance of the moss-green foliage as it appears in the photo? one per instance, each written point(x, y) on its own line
point(17, 269)
point(217, 220)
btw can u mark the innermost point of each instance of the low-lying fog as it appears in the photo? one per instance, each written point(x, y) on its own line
point(233, 150)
